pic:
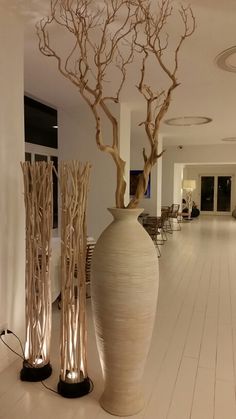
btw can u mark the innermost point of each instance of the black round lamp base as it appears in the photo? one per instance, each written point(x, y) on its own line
point(32, 374)
point(73, 390)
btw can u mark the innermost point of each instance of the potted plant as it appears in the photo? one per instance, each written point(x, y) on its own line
point(108, 35)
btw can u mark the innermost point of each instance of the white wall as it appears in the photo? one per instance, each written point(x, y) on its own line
point(12, 245)
point(209, 154)
point(77, 141)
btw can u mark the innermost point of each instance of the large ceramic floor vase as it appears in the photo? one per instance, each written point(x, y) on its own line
point(124, 291)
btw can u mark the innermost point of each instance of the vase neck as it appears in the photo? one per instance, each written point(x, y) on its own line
point(125, 213)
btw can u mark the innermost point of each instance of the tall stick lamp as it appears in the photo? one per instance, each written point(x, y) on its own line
point(38, 205)
point(189, 186)
point(73, 381)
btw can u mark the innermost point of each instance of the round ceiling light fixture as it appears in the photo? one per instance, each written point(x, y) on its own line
point(188, 121)
point(226, 60)
point(229, 139)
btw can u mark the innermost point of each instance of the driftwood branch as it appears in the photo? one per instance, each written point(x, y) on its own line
point(74, 178)
point(38, 207)
point(105, 37)
point(152, 23)
point(98, 47)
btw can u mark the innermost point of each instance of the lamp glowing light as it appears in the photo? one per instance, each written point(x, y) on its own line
point(73, 380)
point(189, 185)
point(38, 201)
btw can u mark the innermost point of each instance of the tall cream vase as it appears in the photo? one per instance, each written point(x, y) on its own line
point(124, 290)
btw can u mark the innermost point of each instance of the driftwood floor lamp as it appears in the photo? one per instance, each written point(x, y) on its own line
point(189, 186)
point(38, 207)
point(73, 381)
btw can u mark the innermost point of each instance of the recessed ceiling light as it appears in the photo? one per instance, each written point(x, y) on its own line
point(229, 139)
point(226, 60)
point(185, 121)
point(55, 126)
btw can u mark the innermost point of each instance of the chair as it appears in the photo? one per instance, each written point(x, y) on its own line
point(167, 227)
point(161, 226)
point(89, 253)
point(142, 217)
point(174, 215)
point(151, 225)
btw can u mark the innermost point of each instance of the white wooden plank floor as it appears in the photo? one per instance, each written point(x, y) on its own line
point(191, 368)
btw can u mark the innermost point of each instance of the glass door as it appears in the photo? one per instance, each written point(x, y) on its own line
point(216, 194)
point(207, 193)
point(224, 193)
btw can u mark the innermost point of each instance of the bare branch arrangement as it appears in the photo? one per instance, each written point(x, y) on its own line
point(38, 206)
point(74, 178)
point(154, 46)
point(106, 35)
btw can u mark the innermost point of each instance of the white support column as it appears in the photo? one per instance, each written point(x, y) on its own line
point(156, 182)
point(177, 183)
point(159, 176)
point(12, 243)
point(125, 133)
point(151, 204)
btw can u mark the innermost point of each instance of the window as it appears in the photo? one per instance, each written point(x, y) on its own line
point(41, 140)
point(40, 123)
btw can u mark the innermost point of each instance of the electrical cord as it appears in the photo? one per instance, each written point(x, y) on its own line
point(27, 362)
point(10, 332)
point(54, 391)
point(3, 341)
point(20, 356)
point(48, 388)
point(91, 386)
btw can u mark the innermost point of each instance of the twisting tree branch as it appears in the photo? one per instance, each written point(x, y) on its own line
point(98, 45)
point(154, 46)
point(105, 37)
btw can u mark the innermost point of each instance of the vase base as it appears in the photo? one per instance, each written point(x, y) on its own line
point(118, 408)
point(73, 390)
point(33, 374)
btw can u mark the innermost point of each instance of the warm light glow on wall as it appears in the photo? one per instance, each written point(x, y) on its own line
point(189, 184)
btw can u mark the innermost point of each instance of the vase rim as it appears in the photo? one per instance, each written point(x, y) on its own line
point(128, 211)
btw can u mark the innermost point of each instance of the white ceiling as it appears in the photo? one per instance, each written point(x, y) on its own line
point(205, 89)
